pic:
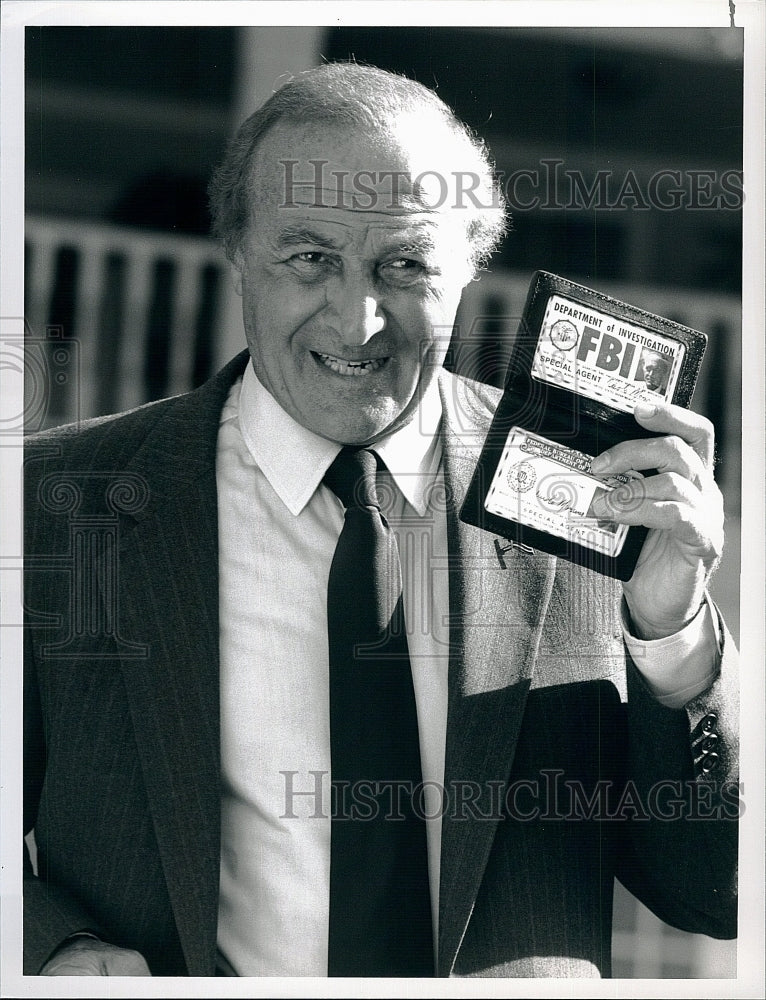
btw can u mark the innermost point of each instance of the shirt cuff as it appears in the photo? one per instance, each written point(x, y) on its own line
point(678, 667)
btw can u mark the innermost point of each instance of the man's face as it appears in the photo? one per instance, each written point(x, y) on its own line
point(654, 373)
point(348, 305)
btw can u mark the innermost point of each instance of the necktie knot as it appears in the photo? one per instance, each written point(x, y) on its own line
point(351, 477)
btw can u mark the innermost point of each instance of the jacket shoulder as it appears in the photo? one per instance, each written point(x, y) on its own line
point(107, 440)
point(486, 396)
point(468, 408)
point(111, 441)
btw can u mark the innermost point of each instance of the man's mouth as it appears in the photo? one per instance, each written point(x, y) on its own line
point(342, 366)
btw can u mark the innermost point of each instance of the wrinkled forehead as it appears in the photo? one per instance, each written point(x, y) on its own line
point(387, 173)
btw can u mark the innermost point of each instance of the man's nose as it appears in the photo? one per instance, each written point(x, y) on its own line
point(356, 310)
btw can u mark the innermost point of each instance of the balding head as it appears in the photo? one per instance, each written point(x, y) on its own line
point(453, 169)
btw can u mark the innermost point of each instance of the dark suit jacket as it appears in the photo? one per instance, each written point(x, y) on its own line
point(554, 745)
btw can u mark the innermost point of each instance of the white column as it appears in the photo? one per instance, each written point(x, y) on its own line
point(267, 57)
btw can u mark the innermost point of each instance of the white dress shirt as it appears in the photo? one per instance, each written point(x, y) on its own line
point(278, 528)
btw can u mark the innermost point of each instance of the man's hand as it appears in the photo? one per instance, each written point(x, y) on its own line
point(87, 956)
point(681, 505)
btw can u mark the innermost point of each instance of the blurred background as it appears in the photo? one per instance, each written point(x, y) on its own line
point(128, 299)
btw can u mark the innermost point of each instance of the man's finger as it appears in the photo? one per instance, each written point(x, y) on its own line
point(666, 486)
point(665, 418)
point(666, 502)
point(672, 515)
point(669, 454)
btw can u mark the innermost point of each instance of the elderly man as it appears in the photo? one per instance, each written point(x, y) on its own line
point(500, 746)
point(656, 372)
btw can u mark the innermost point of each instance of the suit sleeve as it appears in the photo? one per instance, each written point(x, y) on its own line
point(50, 913)
point(678, 850)
point(671, 825)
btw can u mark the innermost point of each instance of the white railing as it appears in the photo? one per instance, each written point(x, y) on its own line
point(95, 287)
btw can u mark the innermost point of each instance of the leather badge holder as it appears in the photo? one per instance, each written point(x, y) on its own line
point(580, 363)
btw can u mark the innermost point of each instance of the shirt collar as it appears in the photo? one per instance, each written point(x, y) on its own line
point(294, 459)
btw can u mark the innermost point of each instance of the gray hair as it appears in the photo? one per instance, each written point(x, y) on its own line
point(348, 94)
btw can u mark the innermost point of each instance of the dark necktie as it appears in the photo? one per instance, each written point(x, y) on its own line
point(380, 908)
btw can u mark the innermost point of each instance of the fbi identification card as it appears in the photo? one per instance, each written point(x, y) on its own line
point(580, 364)
point(597, 356)
point(550, 487)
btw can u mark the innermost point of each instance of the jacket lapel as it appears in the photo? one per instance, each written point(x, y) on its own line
point(168, 601)
point(496, 617)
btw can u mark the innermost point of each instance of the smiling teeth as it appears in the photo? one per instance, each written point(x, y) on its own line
point(343, 367)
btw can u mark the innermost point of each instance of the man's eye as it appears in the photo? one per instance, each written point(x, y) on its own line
point(311, 265)
point(309, 257)
point(406, 264)
point(403, 270)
